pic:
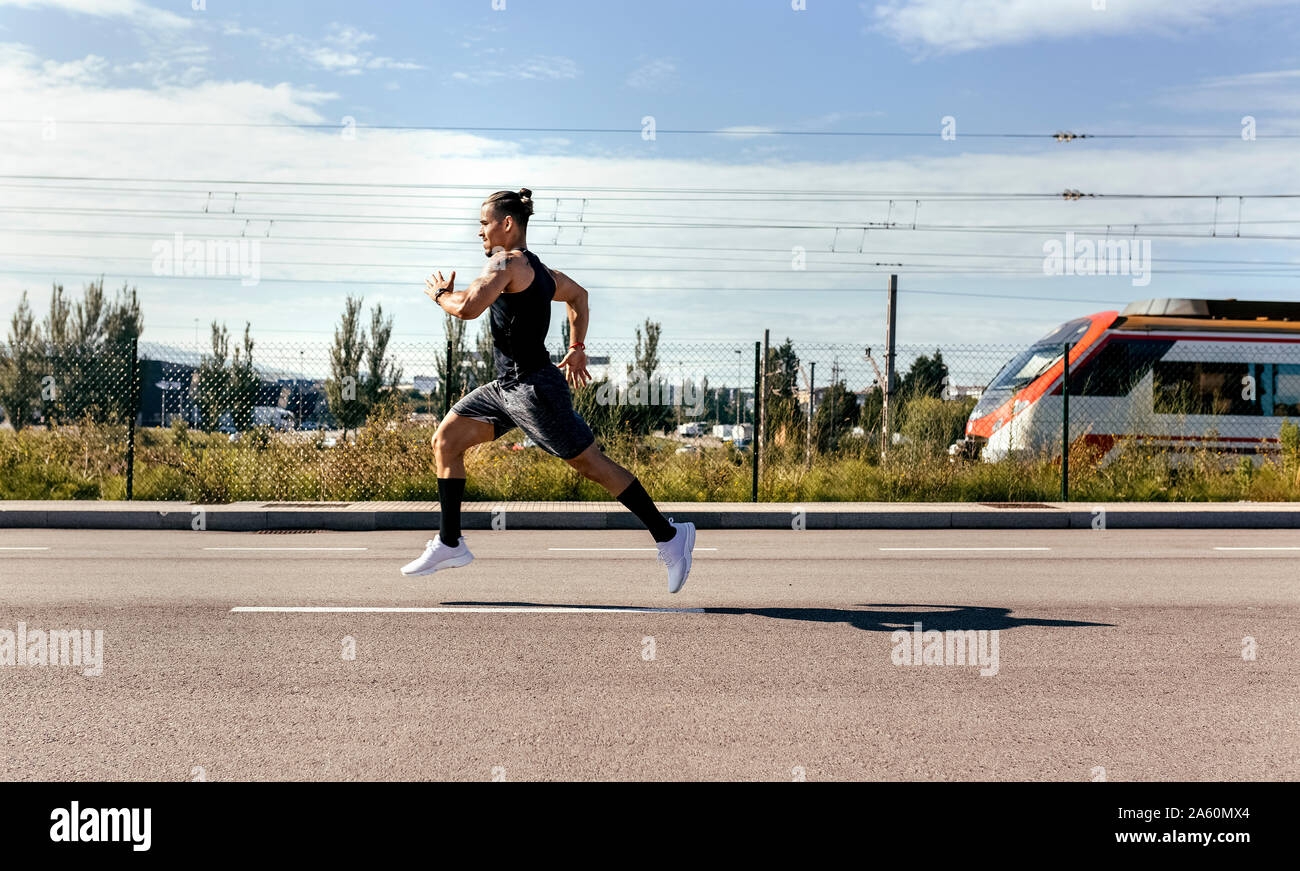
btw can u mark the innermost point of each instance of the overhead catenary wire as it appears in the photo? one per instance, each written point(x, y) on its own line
point(711, 289)
point(1116, 228)
point(744, 131)
point(896, 194)
point(583, 250)
point(868, 268)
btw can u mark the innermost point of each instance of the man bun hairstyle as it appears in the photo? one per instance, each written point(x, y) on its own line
point(518, 205)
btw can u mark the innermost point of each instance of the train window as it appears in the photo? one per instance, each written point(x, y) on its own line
point(1196, 387)
point(1029, 364)
point(1117, 367)
point(1286, 391)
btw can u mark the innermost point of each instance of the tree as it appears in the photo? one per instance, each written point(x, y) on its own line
point(382, 373)
point(485, 367)
point(872, 411)
point(121, 326)
point(451, 381)
point(641, 414)
point(89, 347)
point(244, 384)
point(212, 380)
point(20, 367)
point(342, 391)
point(784, 421)
point(647, 351)
point(835, 416)
point(60, 359)
point(925, 378)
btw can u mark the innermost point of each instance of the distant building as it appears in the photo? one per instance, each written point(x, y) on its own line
point(169, 376)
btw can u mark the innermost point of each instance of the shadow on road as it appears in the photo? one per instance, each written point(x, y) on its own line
point(869, 618)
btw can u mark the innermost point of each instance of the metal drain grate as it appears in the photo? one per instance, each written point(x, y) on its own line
point(307, 505)
point(284, 531)
point(1017, 505)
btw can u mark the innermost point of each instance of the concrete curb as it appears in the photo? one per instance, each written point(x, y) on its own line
point(367, 516)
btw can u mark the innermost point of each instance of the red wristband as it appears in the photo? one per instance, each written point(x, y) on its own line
point(577, 345)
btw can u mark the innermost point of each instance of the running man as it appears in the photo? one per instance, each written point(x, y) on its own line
point(529, 392)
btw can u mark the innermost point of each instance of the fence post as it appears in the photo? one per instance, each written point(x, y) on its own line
point(753, 443)
point(1065, 425)
point(134, 389)
point(887, 389)
point(446, 383)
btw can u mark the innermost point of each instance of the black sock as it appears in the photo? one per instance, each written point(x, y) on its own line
point(637, 500)
point(450, 491)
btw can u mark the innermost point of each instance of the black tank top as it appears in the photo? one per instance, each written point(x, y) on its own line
point(520, 322)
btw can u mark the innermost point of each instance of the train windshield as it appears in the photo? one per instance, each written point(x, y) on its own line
point(1028, 365)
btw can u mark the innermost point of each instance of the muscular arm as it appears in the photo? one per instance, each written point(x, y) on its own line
point(471, 302)
point(574, 296)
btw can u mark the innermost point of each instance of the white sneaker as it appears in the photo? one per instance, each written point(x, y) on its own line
point(439, 556)
point(675, 553)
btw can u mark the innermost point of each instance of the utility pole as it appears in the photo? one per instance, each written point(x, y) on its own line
point(887, 389)
point(740, 379)
point(446, 389)
point(835, 377)
point(812, 394)
point(762, 409)
point(753, 445)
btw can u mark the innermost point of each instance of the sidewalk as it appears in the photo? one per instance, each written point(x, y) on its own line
point(363, 516)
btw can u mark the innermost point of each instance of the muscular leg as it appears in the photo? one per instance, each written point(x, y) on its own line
point(454, 437)
point(624, 486)
point(593, 464)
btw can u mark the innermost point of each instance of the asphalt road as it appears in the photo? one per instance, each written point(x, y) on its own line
point(1121, 654)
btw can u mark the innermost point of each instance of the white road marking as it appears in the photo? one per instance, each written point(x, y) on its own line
point(964, 548)
point(467, 609)
point(285, 548)
point(24, 548)
point(620, 548)
point(1257, 548)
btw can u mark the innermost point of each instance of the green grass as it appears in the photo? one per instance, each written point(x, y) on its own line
point(394, 461)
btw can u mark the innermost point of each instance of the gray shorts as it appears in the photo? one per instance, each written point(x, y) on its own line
point(539, 404)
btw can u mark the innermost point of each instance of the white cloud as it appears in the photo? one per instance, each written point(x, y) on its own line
point(84, 89)
point(347, 36)
point(134, 10)
point(538, 67)
point(965, 25)
point(89, 69)
point(1246, 93)
point(341, 50)
point(542, 67)
point(654, 75)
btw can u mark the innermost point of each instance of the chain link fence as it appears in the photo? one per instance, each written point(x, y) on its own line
point(309, 422)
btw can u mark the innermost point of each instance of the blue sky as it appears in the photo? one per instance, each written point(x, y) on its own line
point(994, 66)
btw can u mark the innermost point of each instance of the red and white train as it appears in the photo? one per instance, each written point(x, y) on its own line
point(1222, 374)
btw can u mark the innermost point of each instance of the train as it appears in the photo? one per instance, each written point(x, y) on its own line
point(1163, 374)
